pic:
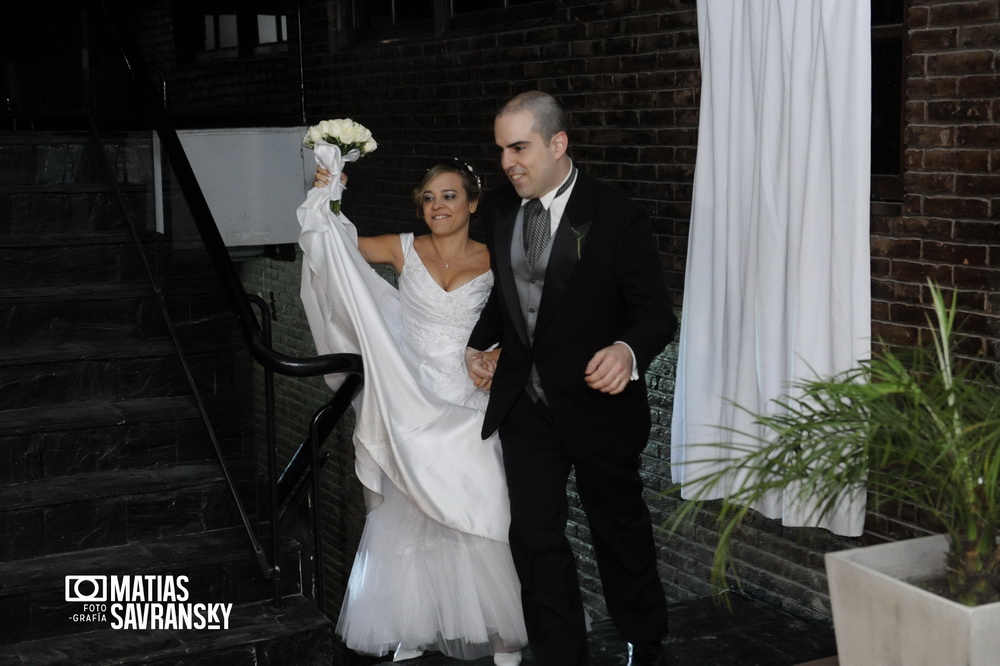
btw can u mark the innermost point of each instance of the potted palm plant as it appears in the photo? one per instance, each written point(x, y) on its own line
point(916, 428)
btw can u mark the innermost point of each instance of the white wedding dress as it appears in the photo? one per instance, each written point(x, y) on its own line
point(433, 570)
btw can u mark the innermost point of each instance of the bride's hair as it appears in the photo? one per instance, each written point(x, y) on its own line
point(470, 181)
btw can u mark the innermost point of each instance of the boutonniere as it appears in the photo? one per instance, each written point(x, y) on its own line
point(581, 235)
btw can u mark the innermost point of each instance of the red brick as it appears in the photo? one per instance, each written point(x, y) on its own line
point(895, 248)
point(959, 111)
point(972, 277)
point(928, 135)
point(925, 227)
point(962, 12)
point(966, 255)
point(921, 88)
point(923, 40)
point(957, 207)
point(915, 111)
point(894, 333)
point(977, 185)
point(979, 86)
point(911, 271)
point(929, 182)
point(917, 17)
point(973, 36)
point(964, 62)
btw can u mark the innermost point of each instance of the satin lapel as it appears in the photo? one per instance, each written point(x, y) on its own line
point(504, 272)
point(565, 253)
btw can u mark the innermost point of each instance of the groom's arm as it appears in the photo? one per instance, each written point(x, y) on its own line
point(639, 274)
point(486, 334)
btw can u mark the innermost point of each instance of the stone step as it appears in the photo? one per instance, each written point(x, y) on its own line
point(87, 312)
point(298, 634)
point(71, 158)
point(114, 371)
point(218, 566)
point(47, 210)
point(78, 313)
point(111, 508)
point(62, 440)
point(107, 259)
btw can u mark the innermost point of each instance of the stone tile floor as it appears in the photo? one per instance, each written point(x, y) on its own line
point(702, 633)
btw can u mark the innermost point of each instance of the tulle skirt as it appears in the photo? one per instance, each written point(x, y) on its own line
point(424, 585)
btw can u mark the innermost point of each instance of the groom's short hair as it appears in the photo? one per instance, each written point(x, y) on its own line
point(550, 117)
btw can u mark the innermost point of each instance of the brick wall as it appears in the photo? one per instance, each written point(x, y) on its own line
point(628, 72)
point(949, 228)
point(208, 91)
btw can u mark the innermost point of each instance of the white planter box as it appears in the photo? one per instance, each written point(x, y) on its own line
point(880, 620)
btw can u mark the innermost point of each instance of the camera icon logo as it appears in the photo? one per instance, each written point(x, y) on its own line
point(87, 589)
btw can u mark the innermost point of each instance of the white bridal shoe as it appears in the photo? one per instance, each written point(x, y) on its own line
point(506, 658)
point(402, 653)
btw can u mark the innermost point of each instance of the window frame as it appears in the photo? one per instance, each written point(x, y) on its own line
point(442, 19)
point(888, 187)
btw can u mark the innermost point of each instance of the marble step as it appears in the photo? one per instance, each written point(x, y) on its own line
point(298, 634)
point(103, 258)
point(217, 566)
point(117, 370)
point(41, 315)
point(111, 508)
point(58, 209)
point(72, 159)
point(61, 440)
point(47, 314)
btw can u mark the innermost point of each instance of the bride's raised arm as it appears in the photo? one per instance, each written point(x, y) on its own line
point(384, 249)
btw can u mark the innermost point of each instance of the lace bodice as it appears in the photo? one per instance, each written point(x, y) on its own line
point(436, 327)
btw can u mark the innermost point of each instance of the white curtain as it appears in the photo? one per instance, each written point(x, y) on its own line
point(777, 281)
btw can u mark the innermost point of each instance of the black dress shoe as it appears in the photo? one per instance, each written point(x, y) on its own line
point(646, 654)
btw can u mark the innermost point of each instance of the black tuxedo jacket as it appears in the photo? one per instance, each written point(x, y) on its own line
point(604, 283)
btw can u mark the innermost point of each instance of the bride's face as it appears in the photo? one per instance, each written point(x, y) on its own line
point(446, 204)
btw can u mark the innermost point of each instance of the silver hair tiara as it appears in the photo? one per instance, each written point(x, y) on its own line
point(460, 163)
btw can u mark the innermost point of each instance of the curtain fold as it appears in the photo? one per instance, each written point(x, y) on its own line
point(777, 278)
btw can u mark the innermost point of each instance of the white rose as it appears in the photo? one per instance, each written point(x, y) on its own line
point(370, 145)
point(312, 136)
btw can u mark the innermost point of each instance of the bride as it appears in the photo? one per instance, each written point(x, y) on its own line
point(433, 570)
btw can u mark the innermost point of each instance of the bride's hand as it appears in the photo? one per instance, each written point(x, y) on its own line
point(480, 368)
point(322, 178)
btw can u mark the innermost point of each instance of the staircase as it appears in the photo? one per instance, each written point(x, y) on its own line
point(109, 482)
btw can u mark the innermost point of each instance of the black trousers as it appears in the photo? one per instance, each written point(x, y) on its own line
point(537, 464)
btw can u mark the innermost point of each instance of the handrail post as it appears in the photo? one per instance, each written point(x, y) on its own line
point(317, 521)
point(272, 454)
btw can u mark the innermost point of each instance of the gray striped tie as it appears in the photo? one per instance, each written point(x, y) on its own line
point(537, 224)
point(537, 230)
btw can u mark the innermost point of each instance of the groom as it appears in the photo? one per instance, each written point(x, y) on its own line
point(580, 308)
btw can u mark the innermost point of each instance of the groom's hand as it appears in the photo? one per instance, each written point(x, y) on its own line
point(480, 368)
point(610, 370)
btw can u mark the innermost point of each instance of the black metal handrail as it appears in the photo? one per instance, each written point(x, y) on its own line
point(257, 340)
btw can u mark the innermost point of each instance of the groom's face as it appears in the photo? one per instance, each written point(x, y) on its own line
point(531, 163)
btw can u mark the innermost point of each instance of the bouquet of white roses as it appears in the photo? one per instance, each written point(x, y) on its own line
point(342, 132)
point(335, 143)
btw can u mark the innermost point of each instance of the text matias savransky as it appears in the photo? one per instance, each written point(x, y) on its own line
point(143, 602)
